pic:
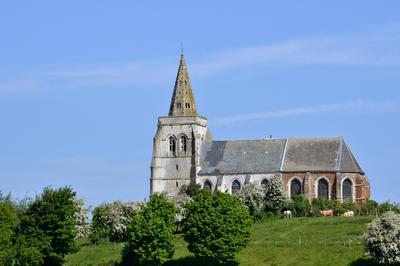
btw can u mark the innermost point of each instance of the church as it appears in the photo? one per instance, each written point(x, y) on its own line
point(184, 152)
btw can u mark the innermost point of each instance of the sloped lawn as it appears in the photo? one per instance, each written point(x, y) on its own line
point(297, 241)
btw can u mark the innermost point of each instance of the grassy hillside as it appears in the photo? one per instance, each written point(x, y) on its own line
point(298, 241)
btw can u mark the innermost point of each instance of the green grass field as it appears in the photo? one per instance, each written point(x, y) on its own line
point(297, 241)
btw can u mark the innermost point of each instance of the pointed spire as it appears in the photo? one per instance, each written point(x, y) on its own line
point(182, 103)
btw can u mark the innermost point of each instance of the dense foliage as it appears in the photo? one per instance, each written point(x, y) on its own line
point(382, 240)
point(300, 206)
point(110, 220)
point(190, 190)
point(49, 225)
point(8, 225)
point(217, 226)
point(150, 234)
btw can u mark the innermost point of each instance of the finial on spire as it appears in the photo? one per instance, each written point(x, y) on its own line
point(181, 48)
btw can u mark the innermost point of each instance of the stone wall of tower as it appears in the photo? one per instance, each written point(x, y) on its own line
point(169, 172)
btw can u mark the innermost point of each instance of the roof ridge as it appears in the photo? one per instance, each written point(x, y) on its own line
point(356, 166)
point(268, 139)
point(338, 168)
point(283, 155)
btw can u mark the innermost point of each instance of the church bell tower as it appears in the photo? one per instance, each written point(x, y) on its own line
point(177, 143)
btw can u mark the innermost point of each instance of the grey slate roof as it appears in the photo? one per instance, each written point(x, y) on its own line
point(247, 156)
point(278, 155)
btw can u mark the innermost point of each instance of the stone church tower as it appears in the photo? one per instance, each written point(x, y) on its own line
point(176, 147)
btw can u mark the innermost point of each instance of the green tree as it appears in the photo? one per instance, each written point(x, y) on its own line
point(300, 206)
point(150, 233)
point(28, 251)
point(369, 208)
point(217, 226)
point(99, 229)
point(48, 225)
point(8, 225)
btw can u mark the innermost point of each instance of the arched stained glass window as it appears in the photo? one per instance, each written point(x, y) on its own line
point(347, 189)
point(295, 188)
point(323, 189)
point(207, 185)
point(235, 187)
point(172, 146)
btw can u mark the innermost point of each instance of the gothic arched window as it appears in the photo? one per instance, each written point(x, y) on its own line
point(347, 189)
point(183, 144)
point(172, 146)
point(235, 187)
point(207, 185)
point(295, 188)
point(323, 189)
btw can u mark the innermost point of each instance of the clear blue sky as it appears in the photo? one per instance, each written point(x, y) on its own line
point(83, 82)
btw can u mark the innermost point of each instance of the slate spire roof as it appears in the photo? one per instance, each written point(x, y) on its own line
point(182, 102)
point(278, 155)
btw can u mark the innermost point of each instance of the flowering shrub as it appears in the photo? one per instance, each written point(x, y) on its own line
point(180, 202)
point(252, 196)
point(82, 226)
point(275, 196)
point(110, 220)
point(382, 241)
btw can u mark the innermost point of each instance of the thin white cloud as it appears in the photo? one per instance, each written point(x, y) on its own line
point(377, 46)
point(372, 48)
point(301, 111)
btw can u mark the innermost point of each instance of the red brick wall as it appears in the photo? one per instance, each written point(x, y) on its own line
point(361, 191)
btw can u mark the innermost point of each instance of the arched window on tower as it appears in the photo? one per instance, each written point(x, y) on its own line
point(235, 187)
point(347, 189)
point(172, 146)
point(207, 185)
point(295, 188)
point(183, 144)
point(323, 189)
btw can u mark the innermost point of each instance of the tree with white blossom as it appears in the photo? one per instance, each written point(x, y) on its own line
point(252, 196)
point(82, 225)
point(275, 196)
point(382, 240)
point(110, 220)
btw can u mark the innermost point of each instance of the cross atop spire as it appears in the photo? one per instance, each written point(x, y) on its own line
point(182, 103)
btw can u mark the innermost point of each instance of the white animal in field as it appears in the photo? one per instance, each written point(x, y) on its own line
point(326, 213)
point(348, 214)
point(287, 214)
